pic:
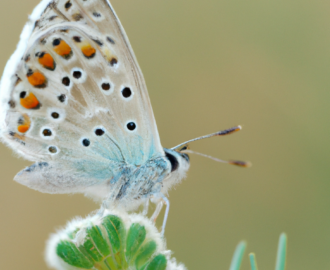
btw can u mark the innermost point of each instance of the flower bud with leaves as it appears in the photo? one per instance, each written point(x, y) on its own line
point(114, 240)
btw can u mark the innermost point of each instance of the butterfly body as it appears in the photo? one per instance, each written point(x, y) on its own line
point(74, 100)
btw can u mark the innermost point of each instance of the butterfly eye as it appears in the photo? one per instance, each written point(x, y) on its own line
point(86, 142)
point(99, 132)
point(52, 149)
point(131, 126)
point(173, 160)
point(66, 81)
point(126, 92)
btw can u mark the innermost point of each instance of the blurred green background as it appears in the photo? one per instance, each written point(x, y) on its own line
point(211, 65)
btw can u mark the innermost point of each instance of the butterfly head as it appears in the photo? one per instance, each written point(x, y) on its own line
point(177, 158)
point(179, 163)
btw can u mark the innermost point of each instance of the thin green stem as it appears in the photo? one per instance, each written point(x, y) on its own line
point(108, 266)
point(281, 252)
point(253, 261)
point(110, 262)
point(101, 266)
point(238, 256)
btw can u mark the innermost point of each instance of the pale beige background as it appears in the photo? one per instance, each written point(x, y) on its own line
point(209, 65)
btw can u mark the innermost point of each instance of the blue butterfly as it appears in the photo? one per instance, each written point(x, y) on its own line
point(74, 100)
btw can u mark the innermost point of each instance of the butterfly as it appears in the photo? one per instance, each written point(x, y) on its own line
point(74, 101)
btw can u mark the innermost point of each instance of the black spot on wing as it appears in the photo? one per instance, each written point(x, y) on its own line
point(77, 39)
point(52, 17)
point(106, 86)
point(113, 61)
point(110, 40)
point(12, 104)
point(62, 98)
point(39, 165)
point(98, 42)
point(96, 14)
point(67, 5)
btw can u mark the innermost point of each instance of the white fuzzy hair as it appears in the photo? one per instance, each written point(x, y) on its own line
point(54, 261)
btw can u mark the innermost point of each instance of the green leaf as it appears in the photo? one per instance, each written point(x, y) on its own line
point(71, 255)
point(145, 254)
point(135, 237)
point(89, 249)
point(158, 263)
point(117, 237)
point(95, 235)
point(116, 232)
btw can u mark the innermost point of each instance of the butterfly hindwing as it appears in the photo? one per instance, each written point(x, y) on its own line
point(74, 96)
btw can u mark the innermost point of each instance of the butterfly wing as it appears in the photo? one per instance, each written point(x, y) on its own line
point(74, 97)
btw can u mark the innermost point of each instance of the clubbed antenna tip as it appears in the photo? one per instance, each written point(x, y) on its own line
point(244, 164)
point(227, 131)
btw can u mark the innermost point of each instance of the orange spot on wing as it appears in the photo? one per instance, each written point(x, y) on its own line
point(88, 50)
point(23, 128)
point(63, 49)
point(47, 61)
point(37, 79)
point(30, 102)
point(24, 123)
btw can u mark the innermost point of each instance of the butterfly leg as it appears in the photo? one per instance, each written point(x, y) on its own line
point(159, 207)
point(157, 211)
point(145, 207)
point(167, 210)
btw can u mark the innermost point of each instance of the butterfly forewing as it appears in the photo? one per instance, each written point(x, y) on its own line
point(77, 96)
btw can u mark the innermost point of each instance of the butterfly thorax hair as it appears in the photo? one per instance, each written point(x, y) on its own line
point(134, 185)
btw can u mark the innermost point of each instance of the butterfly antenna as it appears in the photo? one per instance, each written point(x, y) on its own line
point(219, 133)
point(232, 162)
